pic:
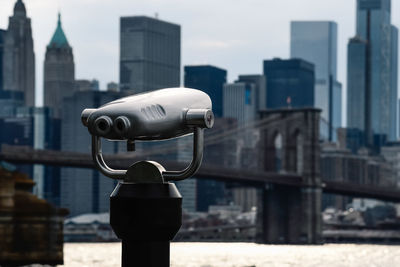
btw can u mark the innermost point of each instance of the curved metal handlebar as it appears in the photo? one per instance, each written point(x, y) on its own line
point(101, 164)
point(198, 141)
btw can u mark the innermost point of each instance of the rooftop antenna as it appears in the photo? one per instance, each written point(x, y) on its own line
point(59, 11)
point(156, 15)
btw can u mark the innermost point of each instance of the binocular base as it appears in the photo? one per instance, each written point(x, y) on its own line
point(146, 217)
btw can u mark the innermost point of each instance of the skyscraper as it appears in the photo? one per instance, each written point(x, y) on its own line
point(356, 83)
point(150, 54)
point(372, 72)
point(316, 42)
point(290, 83)
point(210, 80)
point(59, 71)
point(19, 58)
point(394, 81)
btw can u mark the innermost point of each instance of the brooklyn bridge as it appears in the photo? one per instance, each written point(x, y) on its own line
point(285, 169)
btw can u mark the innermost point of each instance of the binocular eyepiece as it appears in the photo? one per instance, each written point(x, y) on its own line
point(157, 115)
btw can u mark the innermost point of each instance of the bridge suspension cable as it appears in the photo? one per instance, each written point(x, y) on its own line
point(218, 137)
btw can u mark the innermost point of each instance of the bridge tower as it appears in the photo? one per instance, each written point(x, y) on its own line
point(290, 142)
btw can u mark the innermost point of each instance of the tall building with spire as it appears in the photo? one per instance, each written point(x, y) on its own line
point(18, 56)
point(59, 71)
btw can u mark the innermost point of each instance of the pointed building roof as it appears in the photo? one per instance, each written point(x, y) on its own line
point(59, 39)
point(19, 9)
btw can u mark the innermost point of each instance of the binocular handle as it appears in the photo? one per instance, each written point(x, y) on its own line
point(198, 141)
point(101, 165)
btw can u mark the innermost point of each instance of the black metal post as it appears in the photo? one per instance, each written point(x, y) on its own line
point(146, 217)
point(145, 253)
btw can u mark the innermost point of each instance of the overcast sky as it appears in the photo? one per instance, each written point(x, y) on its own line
point(232, 34)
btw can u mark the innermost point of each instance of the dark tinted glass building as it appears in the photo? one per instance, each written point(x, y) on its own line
point(356, 78)
point(372, 72)
point(10, 101)
point(2, 35)
point(289, 83)
point(150, 54)
point(45, 131)
point(210, 80)
point(394, 81)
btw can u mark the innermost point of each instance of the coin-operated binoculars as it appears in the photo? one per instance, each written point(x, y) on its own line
point(145, 208)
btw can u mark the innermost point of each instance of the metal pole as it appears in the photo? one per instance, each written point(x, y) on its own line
point(146, 216)
point(145, 254)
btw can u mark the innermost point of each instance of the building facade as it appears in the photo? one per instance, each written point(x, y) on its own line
point(19, 57)
point(209, 79)
point(240, 101)
point(260, 83)
point(356, 83)
point(290, 83)
point(59, 71)
point(339, 164)
point(150, 54)
point(45, 134)
point(10, 101)
point(316, 42)
point(394, 82)
point(375, 75)
point(2, 36)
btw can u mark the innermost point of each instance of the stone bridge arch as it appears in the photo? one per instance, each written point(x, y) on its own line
point(291, 214)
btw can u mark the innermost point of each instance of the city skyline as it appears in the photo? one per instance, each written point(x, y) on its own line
point(220, 40)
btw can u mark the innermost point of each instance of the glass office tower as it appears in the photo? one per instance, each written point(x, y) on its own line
point(316, 42)
point(2, 35)
point(394, 81)
point(290, 83)
point(209, 79)
point(374, 78)
point(150, 54)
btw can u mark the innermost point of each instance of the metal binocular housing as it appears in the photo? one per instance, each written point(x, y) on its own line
point(156, 115)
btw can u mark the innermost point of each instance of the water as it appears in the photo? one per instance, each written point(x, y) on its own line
point(243, 255)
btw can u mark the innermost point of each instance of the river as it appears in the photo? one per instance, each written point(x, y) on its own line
point(243, 255)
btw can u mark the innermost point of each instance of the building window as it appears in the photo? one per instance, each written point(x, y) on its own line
point(247, 96)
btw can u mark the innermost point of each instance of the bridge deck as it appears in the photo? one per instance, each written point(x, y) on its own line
point(251, 178)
